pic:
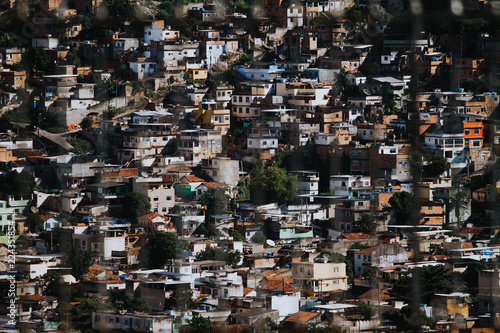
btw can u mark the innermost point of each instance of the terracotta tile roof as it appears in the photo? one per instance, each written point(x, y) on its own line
point(36, 297)
point(181, 168)
point(405, 150)
point(215, 184)
point(27, 153)
point(356, 235)
point(247, 291)
point(133, 251)
point(151, 216)
point(474, 230)
point(467, 245)
point(279, 283)
point(273, 272)
point(193, 179)
point(373, 295)
point(367, 250)
point(46, 217)
point(302, 317)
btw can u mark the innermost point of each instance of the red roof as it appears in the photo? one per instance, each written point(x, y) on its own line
point(356, 235)
point(281, 283)
point(181, 168)
point(302, 317)
point(215, 184)
point(151, 216)
point(193, 179)
point(367, 250)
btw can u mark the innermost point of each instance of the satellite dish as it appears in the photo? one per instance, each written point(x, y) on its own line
point(144, 174)
point(34, 209)
point(270, 242)
point(282, 57)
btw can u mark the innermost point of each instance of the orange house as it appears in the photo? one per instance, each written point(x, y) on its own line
point(473, 134)
point(432, 213)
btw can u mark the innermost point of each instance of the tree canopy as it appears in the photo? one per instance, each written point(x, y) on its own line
point(436, 167)
point(471, 275)
point(366, 224)
point(180, 298)
point(423, 283)
point(216, 200)
point(403, 204)
point(17, 183)
point(79, 261)
point(231, 257)
point(274, 184)
point(133, 304)
point(160, 247)
point(409, 318)
point(136, 204)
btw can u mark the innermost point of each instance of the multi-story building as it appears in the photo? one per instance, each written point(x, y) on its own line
point(308, 182)
point(473, 134)
point(222, 169)
point(197, 144)
point(209, 115)
point(316, 278)
point(304, 95)
point(104, 320)
point(160, 192)
point(379, 256)
point(449, 145)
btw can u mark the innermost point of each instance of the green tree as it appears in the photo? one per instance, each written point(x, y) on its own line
point(34, 222)
point(366, 224)
point(72, 59)
point(209, 232)
point(365, 310)
point(122, 9)
point(423, 283)
point(86, 123)
point(160, 247)
point(259, 238)
point(458, 202)
point(133, 304)
point(237, 236)
point(216, 200)
point(136, 204)
point(52, 278)
point(81, 314)
point(81, 146)
point(403, 204)
point(437, 166)
point(181, 298)
point(409, 318)
point(471, 275)
point(17, 183)
point(274, 184)
point(79, 261)
point(200, 324)
point(231, 257)
point(37, 59)
point(244, 186)
point(4, 40)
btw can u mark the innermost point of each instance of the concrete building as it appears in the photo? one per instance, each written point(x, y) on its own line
point(210, 116)
point(198, 144)
point(160, 192)
point(379, 256)
point(316, 278)
point(222, 169)
point(114, 320)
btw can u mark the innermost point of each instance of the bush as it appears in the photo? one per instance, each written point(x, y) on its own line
point(56, 130)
